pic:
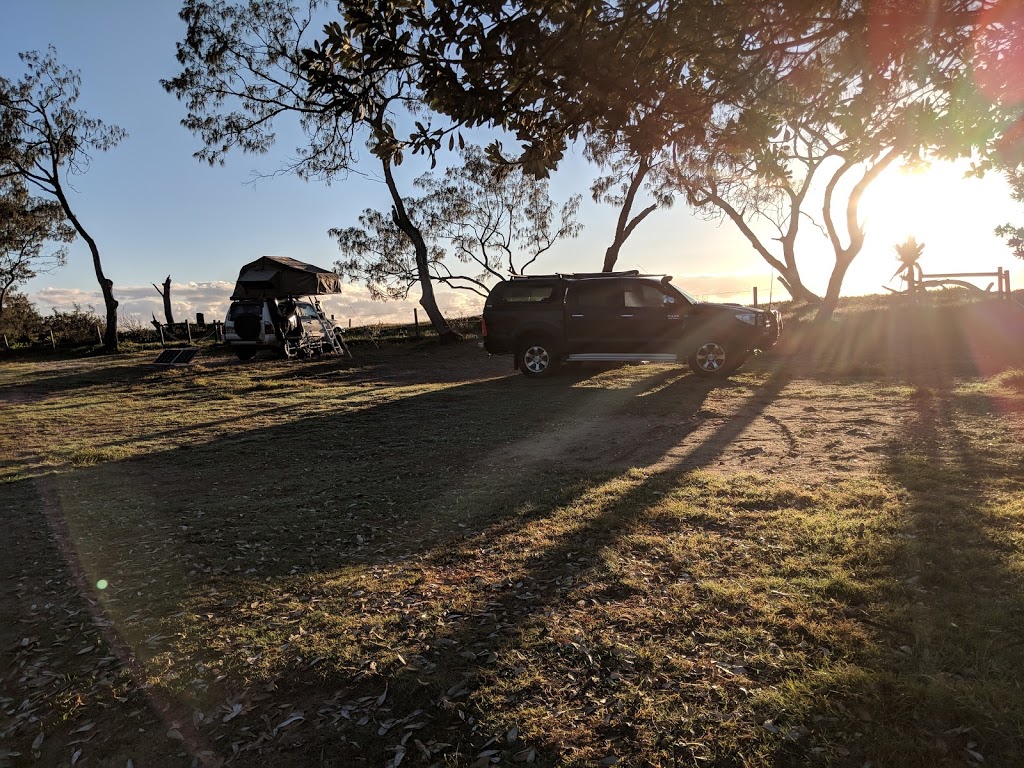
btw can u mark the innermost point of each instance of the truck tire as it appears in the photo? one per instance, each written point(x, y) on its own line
point(537, 356)
point(713, 359)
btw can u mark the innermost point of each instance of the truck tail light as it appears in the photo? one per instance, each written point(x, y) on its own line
point(483, 327)
point(268, 328)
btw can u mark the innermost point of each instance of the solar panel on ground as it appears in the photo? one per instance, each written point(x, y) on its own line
point(176, 356)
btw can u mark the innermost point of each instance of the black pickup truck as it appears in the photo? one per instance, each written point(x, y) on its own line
point(619, 317)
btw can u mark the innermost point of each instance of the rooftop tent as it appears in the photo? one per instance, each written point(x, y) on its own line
point(274, 277)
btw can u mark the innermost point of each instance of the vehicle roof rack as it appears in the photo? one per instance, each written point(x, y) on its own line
point(582, 275)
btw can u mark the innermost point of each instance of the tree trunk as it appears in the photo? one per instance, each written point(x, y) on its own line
point(106, 286)
point(166, 294)
point(835, 285)
point(790, 279)
point(624, 227)
point(3, 298)
point(427, 299)
point(612, 254)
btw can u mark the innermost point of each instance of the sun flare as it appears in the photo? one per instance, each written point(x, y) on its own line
point(952, 215)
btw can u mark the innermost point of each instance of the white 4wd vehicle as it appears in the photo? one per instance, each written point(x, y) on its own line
point(288, 326)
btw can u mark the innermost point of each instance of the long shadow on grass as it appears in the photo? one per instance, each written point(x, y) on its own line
point(326, 494)
point(496, 604)
point(946, 687)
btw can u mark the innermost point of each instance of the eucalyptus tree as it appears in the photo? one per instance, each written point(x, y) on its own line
point(27, 225)
point(496, 220)
point(777, 113)
point(44, 140)
point(244, 65)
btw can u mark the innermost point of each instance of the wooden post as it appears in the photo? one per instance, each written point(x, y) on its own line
point(6, 343)
point(755, 295)
point(99, 336)
point(1006, 277)
point(416, 321)
point(163, 341)
point(350, 322)
point(53, 341)
point(188, 331)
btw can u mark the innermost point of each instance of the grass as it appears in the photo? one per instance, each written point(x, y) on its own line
point(417, 558)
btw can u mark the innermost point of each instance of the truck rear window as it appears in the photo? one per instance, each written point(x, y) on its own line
point(246, 308)
point(523, 292)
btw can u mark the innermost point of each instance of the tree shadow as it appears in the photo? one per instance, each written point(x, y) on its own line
point(944, 682)
point(274, 506)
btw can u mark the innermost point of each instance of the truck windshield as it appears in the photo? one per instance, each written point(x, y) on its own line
point(686, 296)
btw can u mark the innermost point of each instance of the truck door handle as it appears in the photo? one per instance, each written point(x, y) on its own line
point(577, 315)
point(625, 315)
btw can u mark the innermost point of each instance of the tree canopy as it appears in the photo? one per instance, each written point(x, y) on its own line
point(770, 115)
point(782, 112)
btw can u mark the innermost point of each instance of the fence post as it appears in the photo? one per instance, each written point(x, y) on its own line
point(1006, 277)
point(53, 342)
point(755, 295)
point(416, 320)
point(99, 336)
point(350, 322)
point(188, 331)
point(163, 341)
point(6, 343)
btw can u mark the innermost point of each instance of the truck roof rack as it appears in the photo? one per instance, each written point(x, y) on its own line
point(582, 275)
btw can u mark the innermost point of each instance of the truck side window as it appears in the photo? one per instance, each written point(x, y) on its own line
point(525, 293)
point(598, 294)
point(644, 295)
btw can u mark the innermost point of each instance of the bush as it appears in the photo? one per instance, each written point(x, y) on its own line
point(75, 327)
point(20, 322)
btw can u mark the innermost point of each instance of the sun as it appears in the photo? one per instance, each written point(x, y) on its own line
point(952, 215)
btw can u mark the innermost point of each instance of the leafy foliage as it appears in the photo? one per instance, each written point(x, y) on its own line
point(909, 251)
point(772, 113)
point(75, 327)
point(498, 220)
point(26, 225)
point(20, 321)
point(244, 65)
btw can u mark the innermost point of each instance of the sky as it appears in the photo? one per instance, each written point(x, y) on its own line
point(155, 210)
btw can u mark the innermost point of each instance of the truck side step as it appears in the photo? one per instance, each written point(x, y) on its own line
point(616, 357)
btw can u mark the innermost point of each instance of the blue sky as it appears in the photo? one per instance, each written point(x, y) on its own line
point(155, 210)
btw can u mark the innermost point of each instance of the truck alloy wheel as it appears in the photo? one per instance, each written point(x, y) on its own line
point(709, 360)
point(538, 359)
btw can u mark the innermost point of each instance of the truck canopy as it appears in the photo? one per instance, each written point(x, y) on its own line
point(274, 277)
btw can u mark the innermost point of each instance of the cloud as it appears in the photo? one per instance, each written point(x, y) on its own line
point(140, 302)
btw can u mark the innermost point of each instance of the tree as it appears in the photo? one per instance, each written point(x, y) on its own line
point(628, 174)
point(497, 219)
point(27, 224)
point(1014, 234)
point(44, 140)
point(909, 254)
point(20, 320)
point(165, 294)
point(246, 64)
point(774, 113)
